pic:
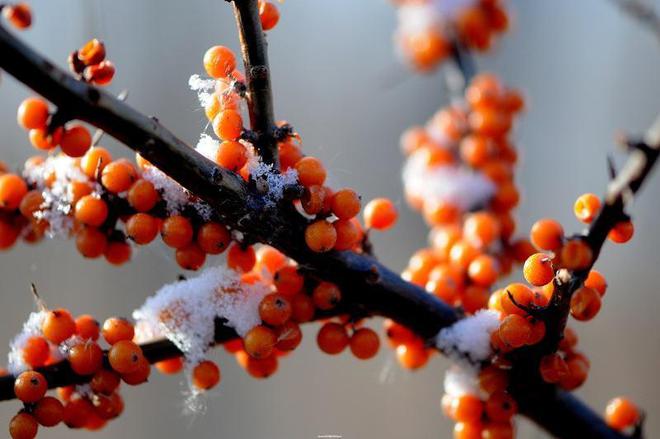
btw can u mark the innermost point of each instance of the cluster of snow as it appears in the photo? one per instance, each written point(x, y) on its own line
point(203, 87)
point(207, 146)
point(269, 181)
point(31, 328)
point(461, 381)
point(468, 341)
point(185, 311)
point(459, 186)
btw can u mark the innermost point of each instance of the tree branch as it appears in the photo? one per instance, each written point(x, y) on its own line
point(643, 12)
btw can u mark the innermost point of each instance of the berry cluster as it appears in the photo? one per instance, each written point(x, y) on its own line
point(427, 28)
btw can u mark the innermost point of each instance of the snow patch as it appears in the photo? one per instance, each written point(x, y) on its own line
point(468, 340)
point(31, 328)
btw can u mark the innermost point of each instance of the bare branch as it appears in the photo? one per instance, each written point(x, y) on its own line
point(643, 12)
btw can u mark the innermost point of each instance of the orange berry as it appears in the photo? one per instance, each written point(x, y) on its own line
point(117, 252)
point(41, 139)
point(206, 375)
point(49, 411)
point(466, 408)
point(397, 334)
point(332, 338)
point(498, 430)
point(364, 343)
point(228, 125)
point(289, 154)
point(231, 155)
point(439, 212)
point(142, 228)
point(94, 160)
point(506, 197)
point(313, 199)
point(380, 214)
point(177, 231)
point(142, 196)
point(91, 211)
point(345, 204)
point(569, 340)
point(268, 14)
point(585, 304)
point(500, 407)
point(538, 331)
point(586, 207)
point(426, 49)
point(288, 281)
point(348, 234)
point(483, 270)
point(91, 243)
point(219, 62)
point(481, 229)
point(310, 171)
point(30, 386)
point(578, 371)
point(492, 379)
point(12, 190)
point(274, 309)
point(468, 430)
point(547, 234)
point(100, 74)
point(170, 366)
point(462, 254)
point(596, 281)
point(77, 190)
point(105, 382)
point(140, 375)
point(93, 52)
point(116, 329)
point(475, 150)
point(553, 368)
point(58, 325)
point(20, 16)
point(289, 336)
point(260, 368)
point(77, 412)
point(412, 355)
point(576, 255)
point(474, 298)
point(75, 141)
point(320, 236)
point(213, 238)
point(35, 351)
point(522, 295)
point(621, 413)
point(85, 358)
point(326, 296)
point(538, 269)
point(445, 282)
point(8, 234)
point(31, 203)
point(622, 232)
point(490, 122)
point(515, 331)
point(241, 258)
point(259, 341)
point(23, 425)
point(118, 176)
point(302, 308)
point(124, 356)
point(33, 114)
point(108, 407)
point(191, 257)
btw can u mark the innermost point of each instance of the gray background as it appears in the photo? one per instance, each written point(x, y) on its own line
point(589, 71)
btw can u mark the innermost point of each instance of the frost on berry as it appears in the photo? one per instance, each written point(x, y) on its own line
point(269, 181)
point(31, 328)
point(467, 341)
point(207, 146)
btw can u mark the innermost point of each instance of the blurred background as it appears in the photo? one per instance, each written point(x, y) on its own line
point(588, 71)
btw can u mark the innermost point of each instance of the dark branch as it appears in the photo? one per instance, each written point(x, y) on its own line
point(642, 12)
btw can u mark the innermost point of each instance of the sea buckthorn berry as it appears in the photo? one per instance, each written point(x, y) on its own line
point(77, 412)
point(191, 257)
point(140, 375)
point(95, 422)
point(91, 210)
point(538, 269)
point(320, 236)
point(596, 281)
point(302, 308)
point(547, 234)
point(33, 114)
point(585, 304)
point(49, 411)
point(93, 52)
point(326, 296)
point(124, 356)
point(569, 340)
point(578, 371)
point(85, 358)
point(462, 254)
point(332, 338)
point(19, 15)
point(288, 281)
point(259, 341)
point(397, 334)
point(228, 125)
point(219, 62)
point(91, 243)
point(117, 252)
point(515, 330)
point(30, 386)
point(206, 375)
point(497, 430)
point(426, 49)
point(241, 258)
point(553, 368)
point(348, 234)
point(474, 298)
point(177, 231)
point(586, 207)
point(118, 176)
point(170, 366)
point(289, 336)
point(466, 408)
point(12, 190)
point(468, 430)
point(100, 74)
point(31, 203)
point(345, 204)
point(213, 238)
point(380, 214)
point(483, 270)
point(313, 199)
point(492, 380)
point(274, 309)
point(259, 368)
point(364, 343)
point(142, 228)
point(310, 171)
point(621, 413)
point(576, 255)
point(289, 154)
point(521, 294)
point(500, 407)
point(8, 234)
point(23, 426)
point(116, 329)
point(41, 139)
point(76, 141)
point(233, 346)
point(268, 14)
point(538, 331)
point(142, 196)
point(58, 325)
point(109, 407)
point(440, 212)
point(35, 351)
point(105, 382)
point(622, 232)
point(475, 150)
point(412, 355)
point(231, 155)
